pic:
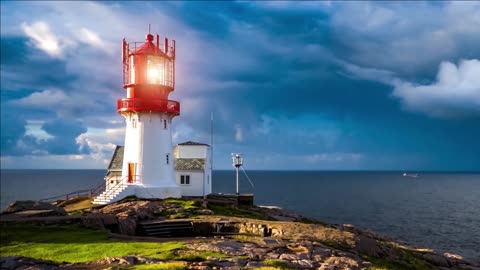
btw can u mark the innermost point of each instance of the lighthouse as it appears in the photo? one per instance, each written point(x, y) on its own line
point(148, 162)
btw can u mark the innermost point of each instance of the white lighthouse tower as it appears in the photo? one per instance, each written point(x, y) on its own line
point(148, 162)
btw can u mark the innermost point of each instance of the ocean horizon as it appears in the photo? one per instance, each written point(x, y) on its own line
point(437, 209)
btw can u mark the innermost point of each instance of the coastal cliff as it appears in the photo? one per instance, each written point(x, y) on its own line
point(219, 238)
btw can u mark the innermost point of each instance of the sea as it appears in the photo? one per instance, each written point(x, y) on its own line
point(434, 210)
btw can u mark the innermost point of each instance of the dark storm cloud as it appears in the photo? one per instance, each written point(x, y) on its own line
point(26, 68)
point(275, 76)
point(64, 133)
point(13, 128)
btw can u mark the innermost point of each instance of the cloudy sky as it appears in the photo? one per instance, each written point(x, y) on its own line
point(292, 85)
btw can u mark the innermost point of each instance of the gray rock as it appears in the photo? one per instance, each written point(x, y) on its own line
point(204, 212)
point(254, 264)
point(288, 257)
point(369, 246)
point(127, 226)
point(436, 259)
point(19, 262)
point(20, 206)
point(340, 263)
point(303, 264)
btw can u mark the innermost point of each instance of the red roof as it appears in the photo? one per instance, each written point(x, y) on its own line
point(149, 48)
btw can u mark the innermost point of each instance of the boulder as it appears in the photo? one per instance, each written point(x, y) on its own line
point(19, 262)
point(49, 209)
point(369, 246)
point(340, 263)
point(436, 259)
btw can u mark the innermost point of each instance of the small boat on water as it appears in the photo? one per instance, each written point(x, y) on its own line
point(414, 175)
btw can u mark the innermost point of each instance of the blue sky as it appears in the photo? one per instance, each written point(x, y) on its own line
point(292, 85)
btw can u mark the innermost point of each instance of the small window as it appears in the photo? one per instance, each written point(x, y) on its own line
point(164, 124)
point(134, 123)
point(208, 179)
point(184, 179)
point(167, 159)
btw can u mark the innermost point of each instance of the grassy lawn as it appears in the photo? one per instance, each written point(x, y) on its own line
point(236, 212)
point(74, 244)
point(185, 204)
point(162, 266)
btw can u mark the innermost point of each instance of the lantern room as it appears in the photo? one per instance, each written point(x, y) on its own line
point(148, 75)
point(147, 63)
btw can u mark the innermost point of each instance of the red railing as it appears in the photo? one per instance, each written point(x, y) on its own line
point(159, 105)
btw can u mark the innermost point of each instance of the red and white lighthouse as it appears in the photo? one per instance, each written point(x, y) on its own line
point(148, 162)
point(149, 77)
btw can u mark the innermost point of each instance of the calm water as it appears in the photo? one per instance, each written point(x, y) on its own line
point(435, 210)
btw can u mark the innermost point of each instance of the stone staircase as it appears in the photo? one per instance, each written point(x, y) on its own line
point(111, 194)
point(170, 228)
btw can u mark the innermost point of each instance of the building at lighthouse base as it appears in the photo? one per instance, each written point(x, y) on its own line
point(193, 176)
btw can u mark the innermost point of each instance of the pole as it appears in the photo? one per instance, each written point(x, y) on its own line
point(237, 180)
point(211, 146)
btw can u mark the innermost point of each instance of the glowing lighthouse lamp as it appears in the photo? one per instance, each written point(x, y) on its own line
point(148, 77)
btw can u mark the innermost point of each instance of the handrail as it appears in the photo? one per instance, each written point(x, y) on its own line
point(120, 183)
point(66, 196)
point(90, 192)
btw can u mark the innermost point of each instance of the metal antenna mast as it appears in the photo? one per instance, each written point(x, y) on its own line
point(211, 145)
point(237, 162)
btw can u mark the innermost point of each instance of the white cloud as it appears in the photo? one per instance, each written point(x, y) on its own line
point(34, 128)
point(65, 105)
point(455, 93)
point(44, 39)
point(50, 162)
point(100, 143)
point(373, 74)
point(407, 39)
point(90, 37)
point(46, 98)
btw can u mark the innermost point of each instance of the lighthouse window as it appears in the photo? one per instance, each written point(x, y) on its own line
point(155, 70)
point(134, 123)
point(167, 159)
point(164, 124)
point(184, 179)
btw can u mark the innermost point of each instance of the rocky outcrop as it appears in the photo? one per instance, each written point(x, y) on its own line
point(283, 240)
point(291, 254)
point(20, 262)
point(34, 209)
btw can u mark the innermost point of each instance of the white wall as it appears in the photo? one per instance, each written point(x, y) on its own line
point(196, 183)
point(147, 143)
point(192, 151)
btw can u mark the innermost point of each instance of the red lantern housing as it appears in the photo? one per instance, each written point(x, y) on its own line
point(148, 76)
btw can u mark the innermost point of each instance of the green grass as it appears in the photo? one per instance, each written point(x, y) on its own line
point(187, 205)
point(73, 244)
point(407, 261)
point(277, 264)
point(162, 266)
point(236, 212)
